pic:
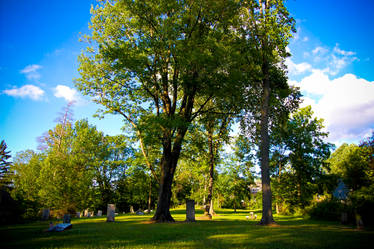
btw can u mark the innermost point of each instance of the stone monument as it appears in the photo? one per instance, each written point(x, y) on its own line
point(111, 212)
point(67, 218)
point(45, 214)
point(190, 211)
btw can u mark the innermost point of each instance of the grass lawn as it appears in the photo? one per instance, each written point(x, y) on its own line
point(227, 230)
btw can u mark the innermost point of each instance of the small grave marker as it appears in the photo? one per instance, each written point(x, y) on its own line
point(111, 213)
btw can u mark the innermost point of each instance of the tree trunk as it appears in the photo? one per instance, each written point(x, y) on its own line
point(211, 210)
point(162, 213)
point(267, 214)
point(279, 200)
point(208, 207)
point(150, 194)
point(169, 162)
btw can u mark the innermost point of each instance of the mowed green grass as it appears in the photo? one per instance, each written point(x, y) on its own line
point(226, 230)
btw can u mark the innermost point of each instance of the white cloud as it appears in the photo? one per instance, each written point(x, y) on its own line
point(297, 68)
point(31, 91)
point(346, 104)
point(67, 93)
point(31, 72)
point(320, 50)
point(342, 52)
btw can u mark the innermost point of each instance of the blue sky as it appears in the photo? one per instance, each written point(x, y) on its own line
point(332, 61)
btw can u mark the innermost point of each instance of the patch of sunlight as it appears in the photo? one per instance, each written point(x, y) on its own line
point(230, 236)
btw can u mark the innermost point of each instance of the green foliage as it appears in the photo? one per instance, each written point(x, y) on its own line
point(349, 162)
point(299, 158)
point(354, 165)
point(328, 209)
point(4, 163)
point(233, 183)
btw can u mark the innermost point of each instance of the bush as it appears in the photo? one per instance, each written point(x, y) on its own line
point(327, 210)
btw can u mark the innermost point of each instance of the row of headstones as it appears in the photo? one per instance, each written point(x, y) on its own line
point(111, 213)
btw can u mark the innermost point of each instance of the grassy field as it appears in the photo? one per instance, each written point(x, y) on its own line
point(227, 230)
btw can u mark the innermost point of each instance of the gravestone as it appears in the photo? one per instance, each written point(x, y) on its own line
point(190, 211)
point(45, 214)
point(99, 213)
point(67, 218)
point(344, 218)
point(86, 213)
point(111, 213)
point(252, 217)
point(59, 227)
point(78, 214)
point(132, 209)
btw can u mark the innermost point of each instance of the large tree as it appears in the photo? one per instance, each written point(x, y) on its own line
point(149, 61)
point(304, 137)
point(266, 34)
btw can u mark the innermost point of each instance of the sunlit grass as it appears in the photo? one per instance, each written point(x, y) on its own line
point(226, 230)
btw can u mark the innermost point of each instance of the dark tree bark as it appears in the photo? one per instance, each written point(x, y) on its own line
point(267, 214)
point(208, 204)
point(169, 162)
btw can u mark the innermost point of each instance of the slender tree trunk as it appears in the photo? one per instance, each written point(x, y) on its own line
point(267, 214)
point(211, 210)
point(150, 194)
point(208, 206)
point(279, 200)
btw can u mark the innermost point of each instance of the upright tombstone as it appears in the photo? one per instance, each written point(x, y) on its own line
point(67, 218)
point(99, 213)
point(86, 213)
point(45, 214)
point(190, 211)
point(78, 214)
point(111, 213)
point(132, 209)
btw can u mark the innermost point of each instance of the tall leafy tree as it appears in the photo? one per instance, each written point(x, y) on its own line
point(25, 177)
point(267, 30)
point(217, 129)
point(305, 140)
point(149, 61)
point(4, 163)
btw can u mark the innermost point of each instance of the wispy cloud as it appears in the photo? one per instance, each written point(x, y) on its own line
point(31, 72)
point(300, 68)
point(332, 61)
point(67, 93)
point(26, 91)
point(319, 50)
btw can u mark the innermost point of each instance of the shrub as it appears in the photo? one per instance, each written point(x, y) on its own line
point(329, 209)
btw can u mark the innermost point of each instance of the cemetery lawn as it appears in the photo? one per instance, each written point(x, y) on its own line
point(226, 230)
